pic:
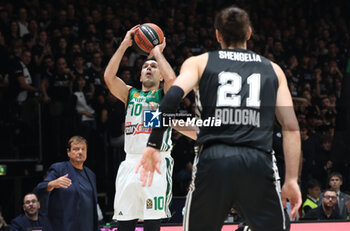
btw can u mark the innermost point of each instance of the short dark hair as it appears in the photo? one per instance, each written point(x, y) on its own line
point(150, 59)
point(329, 190)
point(337, 174)
point(312, 183)
point(233, 23)
point(78, 139)
point(30, 193)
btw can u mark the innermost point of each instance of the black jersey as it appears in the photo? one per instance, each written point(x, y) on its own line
point(238, 88)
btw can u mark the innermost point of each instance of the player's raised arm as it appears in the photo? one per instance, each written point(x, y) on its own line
point(117, 86)
point(166, 71)
point(291, 142)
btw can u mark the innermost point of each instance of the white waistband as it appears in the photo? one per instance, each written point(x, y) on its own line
point(132, 156)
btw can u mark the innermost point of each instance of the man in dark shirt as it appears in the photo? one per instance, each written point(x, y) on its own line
point(326, 210)
point(72, 203)
point(31, 216)
point(21, 82)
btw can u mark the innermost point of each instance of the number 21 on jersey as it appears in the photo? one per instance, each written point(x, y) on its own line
point(230, 87)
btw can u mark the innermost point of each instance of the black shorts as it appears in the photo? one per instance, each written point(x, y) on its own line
point(233, 176)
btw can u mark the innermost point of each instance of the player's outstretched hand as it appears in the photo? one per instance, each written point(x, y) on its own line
point(291, 191)
point(150, 161)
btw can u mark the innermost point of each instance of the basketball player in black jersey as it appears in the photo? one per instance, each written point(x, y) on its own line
point(235, 166)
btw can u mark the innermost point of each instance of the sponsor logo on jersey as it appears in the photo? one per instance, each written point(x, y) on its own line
point(151, 118)
point(120, 213)
point(136, 95)
point(140, 99)
point(134, 129)
point(149, 204)
point(140, 129)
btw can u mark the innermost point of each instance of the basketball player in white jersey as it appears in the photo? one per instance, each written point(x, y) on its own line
point(133, 202)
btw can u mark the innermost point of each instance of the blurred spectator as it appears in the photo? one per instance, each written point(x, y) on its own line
point(28, 42)
point(324, 157)
point(310, 146)
point(21, 79)
point(34, 29)
point(23, 21)
point(24, 102)
point(84, 110)
point(61, 48)
point(42, 48)
point(13, 32)
point(46, 73)
point(58, 89)
point(44, 19)
point(94, 73)
point(78, 68)
point(313, 196)
point(343, 199)
point(327, 209)
point(31, 217)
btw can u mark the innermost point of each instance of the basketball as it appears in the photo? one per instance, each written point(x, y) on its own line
point(146, 37)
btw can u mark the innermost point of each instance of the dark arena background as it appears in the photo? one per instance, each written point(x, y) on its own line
point(310, 40)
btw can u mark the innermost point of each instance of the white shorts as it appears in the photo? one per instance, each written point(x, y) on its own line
point(132, 201)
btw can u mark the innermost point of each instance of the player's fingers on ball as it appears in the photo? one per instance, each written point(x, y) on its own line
point(135, 27)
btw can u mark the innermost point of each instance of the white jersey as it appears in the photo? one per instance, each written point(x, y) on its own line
point(132, 201)
point(136, 135)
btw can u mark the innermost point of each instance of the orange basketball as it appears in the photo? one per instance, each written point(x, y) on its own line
point(146, 37)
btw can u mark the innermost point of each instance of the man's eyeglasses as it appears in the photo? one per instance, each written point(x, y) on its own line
point(32, 201)
point(330, 197)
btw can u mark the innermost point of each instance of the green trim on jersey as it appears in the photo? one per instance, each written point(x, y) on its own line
point(135, 134)
point(166, 146)
point(151, 96)
point(168, 194)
